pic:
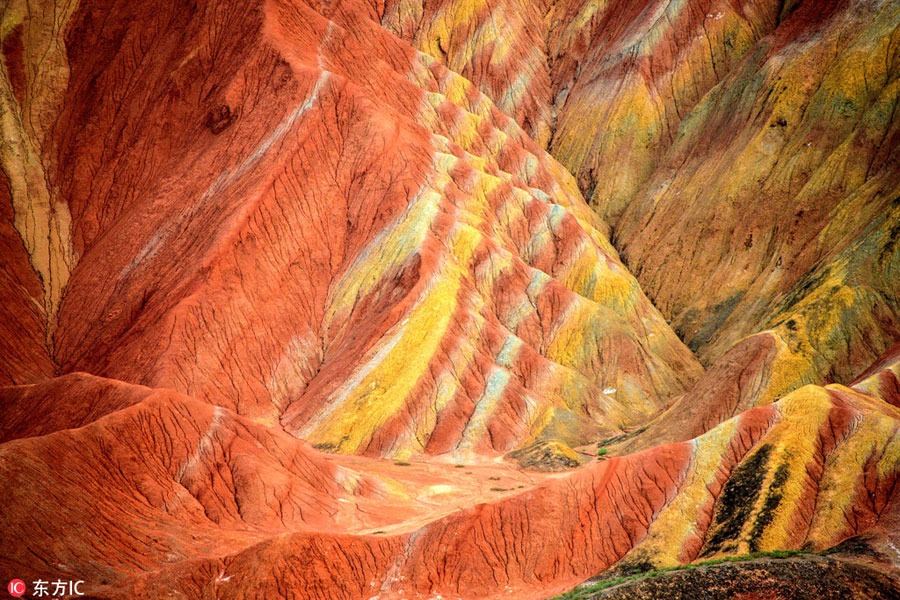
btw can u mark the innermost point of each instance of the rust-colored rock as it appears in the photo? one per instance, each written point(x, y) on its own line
point(224, 505)
point(271, 224)
point(321, 300)
point(882, 379)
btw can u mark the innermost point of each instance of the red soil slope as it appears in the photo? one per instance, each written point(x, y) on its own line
point(173, 495)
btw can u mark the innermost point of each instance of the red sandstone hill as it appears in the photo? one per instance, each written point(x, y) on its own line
point(325, 299)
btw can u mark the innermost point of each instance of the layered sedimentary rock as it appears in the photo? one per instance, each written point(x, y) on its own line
point(799, 185)
point(23, 343)
point(763, 129)
point(882, 379)
point(750, 374)
point(605, 85)
point(225, 506)
point(283, 279)
point(367, 251)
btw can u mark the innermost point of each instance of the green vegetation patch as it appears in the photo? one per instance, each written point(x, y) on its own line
point(736, 503)
point(767, 513)
point(588, 592)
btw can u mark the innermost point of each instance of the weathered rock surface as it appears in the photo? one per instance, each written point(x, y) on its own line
point(223, 505)
point(262, 220)
point(551, 455)
point(283, 282)
point(797, 578)
point(763, 129)
point(882, 379)
point(23, 333)
point(787, 172)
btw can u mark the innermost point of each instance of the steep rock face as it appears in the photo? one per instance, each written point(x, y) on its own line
point(636, 72)
point(34, 73)
point(23, 332)
point(289, 231)
point(785, 170)
point(367, 251)
point(604, 85)
point(882, 379)
point(677, 118)
point(745, 377)
point(754, 373)
point(498, 45)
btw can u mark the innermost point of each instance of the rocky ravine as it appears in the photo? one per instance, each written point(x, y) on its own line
point(284, 281)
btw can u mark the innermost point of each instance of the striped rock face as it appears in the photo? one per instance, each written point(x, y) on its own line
point(171, 496)
point(766, 129)
point(324, 300)
point(371, 256)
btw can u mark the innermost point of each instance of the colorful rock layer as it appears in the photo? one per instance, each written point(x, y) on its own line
point(369, 253)
point(311, 299)
point(166, 495)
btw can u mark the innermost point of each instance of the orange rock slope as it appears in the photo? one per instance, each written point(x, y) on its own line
point(284, 281)
point(167, 495)
point(366, 252)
